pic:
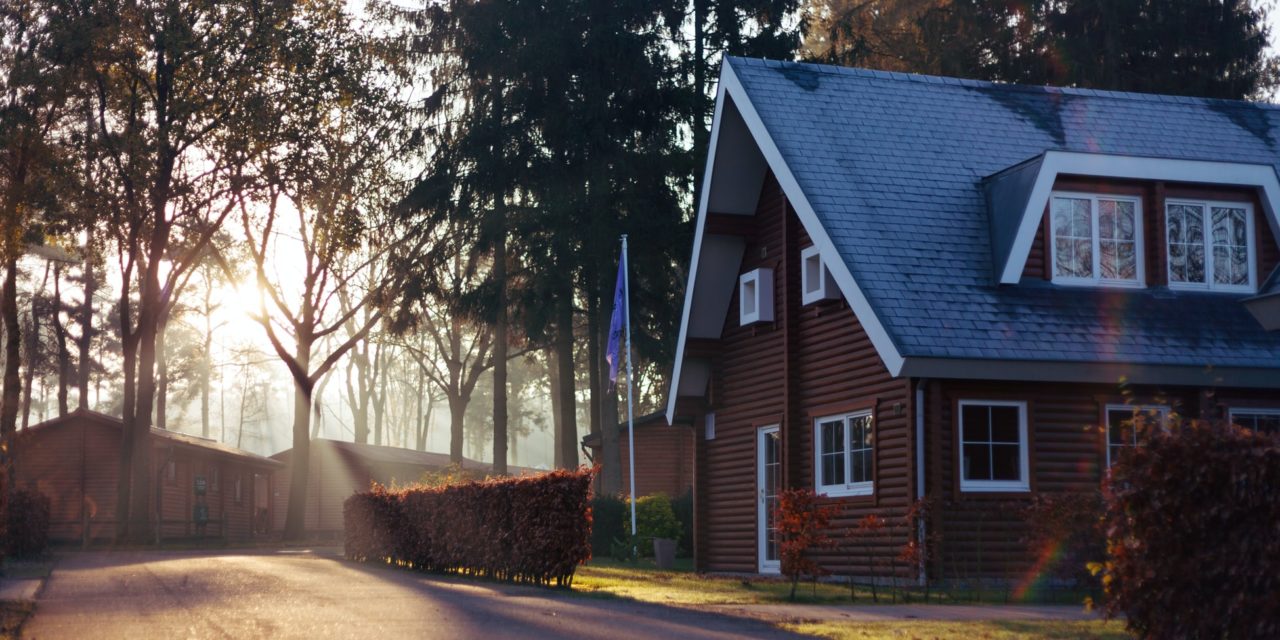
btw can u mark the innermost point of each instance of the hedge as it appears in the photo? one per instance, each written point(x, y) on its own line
point(534, 529)
point(1193, 534)
point(27, 523)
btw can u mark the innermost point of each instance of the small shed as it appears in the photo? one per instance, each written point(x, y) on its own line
point(339, 469)
point(203, 488)
point(664, 456)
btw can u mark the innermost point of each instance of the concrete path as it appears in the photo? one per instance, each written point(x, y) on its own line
point(304, 594)
point(18, 590)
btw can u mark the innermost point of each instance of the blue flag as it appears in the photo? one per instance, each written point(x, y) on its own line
point(611, 354)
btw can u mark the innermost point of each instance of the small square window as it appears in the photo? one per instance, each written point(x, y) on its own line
point(755, 296)
point(993, 446)
point(843, 455)
point(816, 281)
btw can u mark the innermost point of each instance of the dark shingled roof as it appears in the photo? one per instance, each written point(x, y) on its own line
point(893, 164)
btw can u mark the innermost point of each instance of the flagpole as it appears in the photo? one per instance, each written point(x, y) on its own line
point(631, 425)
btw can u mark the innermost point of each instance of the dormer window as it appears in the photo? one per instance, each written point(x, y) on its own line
point(1210, 245)
point(1097, 239)
point(816, 281)
point(755, 296)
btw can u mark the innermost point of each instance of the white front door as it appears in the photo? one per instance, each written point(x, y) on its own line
point(768, 476)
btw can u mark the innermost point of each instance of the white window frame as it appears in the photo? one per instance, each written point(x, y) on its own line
point(847, 488)
point(755, 296)
point(1207, 221)
point(1257, 411)
point(824, 288)
point(1163, 410)
point(1022, 485)
point(1097, 280)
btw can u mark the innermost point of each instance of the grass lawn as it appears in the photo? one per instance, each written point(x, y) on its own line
point(990, 630)
point(643, 581)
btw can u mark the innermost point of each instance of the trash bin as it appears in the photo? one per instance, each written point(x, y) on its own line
point(664, 553)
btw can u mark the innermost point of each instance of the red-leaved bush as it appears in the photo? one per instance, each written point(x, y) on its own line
point(801, 525)
point(1193, 534)
point(534, 529)
point(1065, 531)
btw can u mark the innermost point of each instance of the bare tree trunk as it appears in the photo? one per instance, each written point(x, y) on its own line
point(457, 412)
point(148, 329)
point(12, 360)
point(162, 376)
point(567, 435)
point(380, 400)
point(610, 456)
point(129, 366)
point(500, 346)
point(300, 460)
point(553, 378)
point(90, 283)
point(60, 335)
point(33, 349)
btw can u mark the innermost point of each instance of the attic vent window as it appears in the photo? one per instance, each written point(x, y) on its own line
point(1097, 240)
point(816, 280)
point(755, 296)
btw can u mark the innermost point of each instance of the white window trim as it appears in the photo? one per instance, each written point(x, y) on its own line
point(1164, 411)
point(762, 280)
point(1097, 280)
point(825, 288)
point(846, 489)
point(1207, 221)
point(1257, 411)
point(996, 486)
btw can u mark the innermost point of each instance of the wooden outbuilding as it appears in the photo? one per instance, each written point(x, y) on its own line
point(339, 469)
point(664, 456)
point(203, 488)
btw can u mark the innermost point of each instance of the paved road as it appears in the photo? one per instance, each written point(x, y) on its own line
point(304, 594)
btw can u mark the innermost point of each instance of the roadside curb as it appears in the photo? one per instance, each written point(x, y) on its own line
point(787, 613)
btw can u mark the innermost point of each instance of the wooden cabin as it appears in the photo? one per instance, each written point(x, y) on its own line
point(907, 287)
point(664, 456)
point(204, 489)
point(339, 469)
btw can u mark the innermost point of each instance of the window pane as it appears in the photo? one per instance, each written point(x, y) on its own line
point(1106, 219)
point(1230, 246)
point(1195, 263)
point(976, 462)
point(976, 420)
point(1107, 250)
point(860, 464)
point(1073, 237)
point(1004, 424)
point(1260, 422)
point(1186, 243)
point(1120, 429)
point(1005, 463)
point(833, 452)
point(861, 432)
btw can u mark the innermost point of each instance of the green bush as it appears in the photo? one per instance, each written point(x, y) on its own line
point(656, 519)
point(611, 520)
point(1193, 534)
point(683, 507)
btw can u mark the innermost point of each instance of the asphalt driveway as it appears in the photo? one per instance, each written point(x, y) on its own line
point(316, 594)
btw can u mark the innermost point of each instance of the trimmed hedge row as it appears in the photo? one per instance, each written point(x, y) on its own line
point(1193, 524)
point(534, 529)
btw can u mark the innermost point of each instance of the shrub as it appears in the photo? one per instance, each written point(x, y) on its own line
point(683, 507)
point(656, 519)
point(1193, 534)
point(1064, 531)
point(27, 523)
point(610, 521)
point(801, 526)
point(534, 529)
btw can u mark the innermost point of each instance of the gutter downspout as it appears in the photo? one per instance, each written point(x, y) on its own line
point(921, 577)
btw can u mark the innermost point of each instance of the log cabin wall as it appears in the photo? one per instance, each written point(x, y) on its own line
point(982, 534)
point(789, 373)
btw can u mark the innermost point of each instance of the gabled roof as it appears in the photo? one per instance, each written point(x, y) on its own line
point(399, 455)
point(183, 439)
point(887, 170)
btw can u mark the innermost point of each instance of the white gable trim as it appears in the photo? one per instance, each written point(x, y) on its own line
point(674, 390)
point(1261, 176)
point(731, 87)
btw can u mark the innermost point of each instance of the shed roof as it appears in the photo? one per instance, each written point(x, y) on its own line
point(400, 456)
point(183, 439)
